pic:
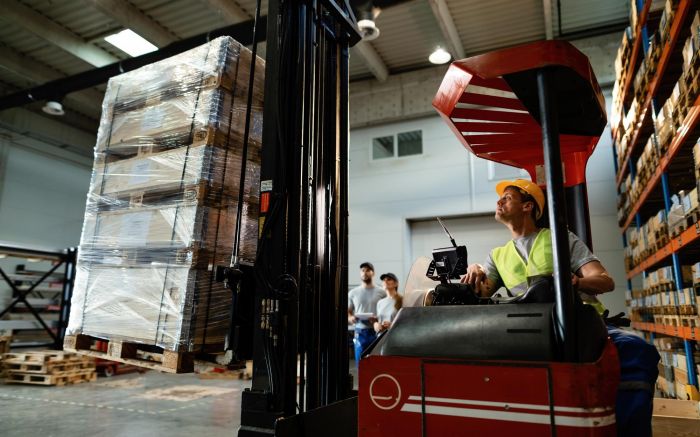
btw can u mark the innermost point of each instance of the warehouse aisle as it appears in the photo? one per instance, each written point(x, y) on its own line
point(150, 404)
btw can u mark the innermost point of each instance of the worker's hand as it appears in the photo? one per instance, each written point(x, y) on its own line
point(377, 327)
point(386, 324)
point(475, 276)
point(352, 320)
point(574, 281)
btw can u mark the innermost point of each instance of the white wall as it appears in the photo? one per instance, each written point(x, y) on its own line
point(42, 197)
point(448, 181)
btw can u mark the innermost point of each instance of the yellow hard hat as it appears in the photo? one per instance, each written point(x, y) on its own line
point(530, 188)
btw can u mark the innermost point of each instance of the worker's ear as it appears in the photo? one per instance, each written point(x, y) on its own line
point(528, 206)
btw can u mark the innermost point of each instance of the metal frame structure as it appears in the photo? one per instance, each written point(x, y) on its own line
point(301, 265)
point(643, 10)
point(65, 258)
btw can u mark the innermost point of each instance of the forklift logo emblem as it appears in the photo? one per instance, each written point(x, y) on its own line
point(385, 391)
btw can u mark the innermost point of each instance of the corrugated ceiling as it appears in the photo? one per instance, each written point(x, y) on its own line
point(409, 31)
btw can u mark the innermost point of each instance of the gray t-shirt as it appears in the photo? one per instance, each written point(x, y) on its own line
point(386, 309)
point(364, 300)
point(580, 255)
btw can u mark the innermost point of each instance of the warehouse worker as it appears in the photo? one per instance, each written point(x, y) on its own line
point(519, 206)
point(528, 256)
point(362, 309)
point(390, 305)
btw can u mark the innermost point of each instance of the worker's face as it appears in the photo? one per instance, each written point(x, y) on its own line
point(390, 284)
point(366, 275)
point(511, 206)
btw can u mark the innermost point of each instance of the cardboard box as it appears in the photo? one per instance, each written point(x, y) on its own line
point(680, 376)
point(666, 387)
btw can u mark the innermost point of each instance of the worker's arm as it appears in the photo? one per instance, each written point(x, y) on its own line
point(351, 317)
point(476, 277)
point(592, 278)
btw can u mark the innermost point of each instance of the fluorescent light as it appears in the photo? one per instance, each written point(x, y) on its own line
point(130, 43)
point(439, 56)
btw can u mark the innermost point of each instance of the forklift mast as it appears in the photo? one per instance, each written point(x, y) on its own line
point(300, 354)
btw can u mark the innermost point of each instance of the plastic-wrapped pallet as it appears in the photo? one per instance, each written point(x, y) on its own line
point(162, 205)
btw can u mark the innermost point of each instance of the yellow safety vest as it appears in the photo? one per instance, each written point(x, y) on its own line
point(516, 274)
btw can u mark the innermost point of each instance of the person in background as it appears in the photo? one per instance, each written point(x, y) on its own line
point(362, 301)
point(390, 305)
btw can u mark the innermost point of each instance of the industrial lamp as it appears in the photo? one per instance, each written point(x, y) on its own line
point(52, 107)
point(439, 56)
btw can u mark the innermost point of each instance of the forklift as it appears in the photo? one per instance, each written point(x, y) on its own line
point(543, 368)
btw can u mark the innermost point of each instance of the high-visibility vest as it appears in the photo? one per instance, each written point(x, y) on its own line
point(515, 273)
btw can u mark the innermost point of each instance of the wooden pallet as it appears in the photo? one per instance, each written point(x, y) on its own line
point(690, 321)
point(51, 367)
point(65, 378)
point(135, 354)
point(5, 341)
point(672, 320)
point(39, 357)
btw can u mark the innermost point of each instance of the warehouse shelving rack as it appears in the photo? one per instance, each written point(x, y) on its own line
point(23, 284)
point(657, 192)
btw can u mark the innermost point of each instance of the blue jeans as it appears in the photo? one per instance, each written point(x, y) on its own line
point(363, 338)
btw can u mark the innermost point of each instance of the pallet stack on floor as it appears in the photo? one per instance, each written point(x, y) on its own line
point(655, 119)
point(48, 368)
point(163, 208)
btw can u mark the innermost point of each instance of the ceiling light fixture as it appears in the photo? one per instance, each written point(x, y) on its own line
point(130, 43)
point(53, 107)
point(369, 30)
point(439, 56)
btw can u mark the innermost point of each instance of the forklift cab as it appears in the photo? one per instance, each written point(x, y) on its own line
point(531, 368)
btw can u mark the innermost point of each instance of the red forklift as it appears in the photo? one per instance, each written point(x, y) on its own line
point(537, 368)
point(532, 366)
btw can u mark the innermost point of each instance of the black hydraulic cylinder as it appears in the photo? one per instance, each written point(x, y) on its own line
point(564, 320)
point(577, 213)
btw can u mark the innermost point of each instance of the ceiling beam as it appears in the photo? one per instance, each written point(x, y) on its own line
point(53, 33)
point(448, 28)
point(548, 27)
point(241, 32)
point(229, 10)
point(370, 57)
point(133, 18)
point(89, 99)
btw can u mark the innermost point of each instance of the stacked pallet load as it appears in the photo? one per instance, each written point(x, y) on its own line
point(48, 368)
point(162, 208)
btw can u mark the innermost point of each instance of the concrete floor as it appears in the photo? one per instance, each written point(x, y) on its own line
point(131, 405)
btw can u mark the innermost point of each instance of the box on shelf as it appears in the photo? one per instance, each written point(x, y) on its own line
point(690, 201)
point(666, 372)
point(163, 203)
point(666, 344)
point(666, 387)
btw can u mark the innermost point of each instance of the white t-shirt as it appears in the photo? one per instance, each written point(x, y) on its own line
point(364, 300)
point(386, 309)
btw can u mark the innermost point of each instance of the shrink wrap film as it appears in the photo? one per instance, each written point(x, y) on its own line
point(163, 201)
